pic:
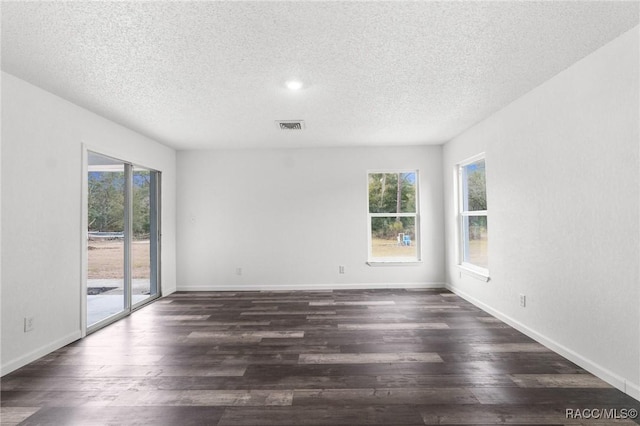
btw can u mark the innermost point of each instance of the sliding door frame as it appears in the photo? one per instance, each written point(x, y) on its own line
point(155, 206)
point(155, 265)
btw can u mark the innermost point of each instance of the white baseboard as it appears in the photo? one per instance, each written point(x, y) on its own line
point(633, 390)
point(39, 353)
point(333, 286)
point(608, 376)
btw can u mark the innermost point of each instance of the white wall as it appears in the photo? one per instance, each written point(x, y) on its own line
point(563, 200)
point(288, 218)
point(42, 138)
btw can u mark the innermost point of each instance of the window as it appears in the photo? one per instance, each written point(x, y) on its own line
point(472, 190)
point(393, 217)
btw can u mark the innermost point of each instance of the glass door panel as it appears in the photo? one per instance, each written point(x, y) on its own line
point(106, 295)
point(144, 243)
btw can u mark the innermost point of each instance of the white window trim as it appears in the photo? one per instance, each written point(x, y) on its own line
point(473, 271)
point(394, 261)
point(465, 267)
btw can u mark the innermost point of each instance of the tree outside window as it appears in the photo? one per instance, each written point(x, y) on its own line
point(393, 216)
point(474, 230)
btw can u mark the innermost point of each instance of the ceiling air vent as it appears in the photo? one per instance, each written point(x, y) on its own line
point(290, 125)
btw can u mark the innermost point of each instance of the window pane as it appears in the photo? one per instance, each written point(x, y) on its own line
point(476, 240)
point(474, 196)
point(392, 192)
point(393, 237)
point(141, 239)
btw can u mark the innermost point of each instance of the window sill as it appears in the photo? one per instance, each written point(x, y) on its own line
point(477, 274)
point(394, 263)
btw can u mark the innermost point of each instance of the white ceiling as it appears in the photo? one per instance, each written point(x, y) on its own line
point(212, 74)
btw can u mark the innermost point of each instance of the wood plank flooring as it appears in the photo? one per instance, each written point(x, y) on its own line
point(374, 357)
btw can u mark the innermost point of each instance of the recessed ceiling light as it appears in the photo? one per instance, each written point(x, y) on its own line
point(294, 85)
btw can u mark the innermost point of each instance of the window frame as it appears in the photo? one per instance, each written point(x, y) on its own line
point(463, 240)
point(378, 261)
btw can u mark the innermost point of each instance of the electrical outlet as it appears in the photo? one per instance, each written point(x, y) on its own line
point(28, 324)
point(238, 271)
point(341, 269)
point(523, 300)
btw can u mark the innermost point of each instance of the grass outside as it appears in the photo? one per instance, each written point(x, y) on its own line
point(478, 252)
point(390, 248)
point(106, 259)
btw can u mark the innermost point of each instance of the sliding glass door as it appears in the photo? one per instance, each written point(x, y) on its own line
point(122, 238)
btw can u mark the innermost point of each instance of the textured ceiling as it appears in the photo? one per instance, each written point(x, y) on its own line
point(212, 74)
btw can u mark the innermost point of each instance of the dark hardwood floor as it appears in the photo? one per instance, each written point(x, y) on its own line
point(385, 357)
